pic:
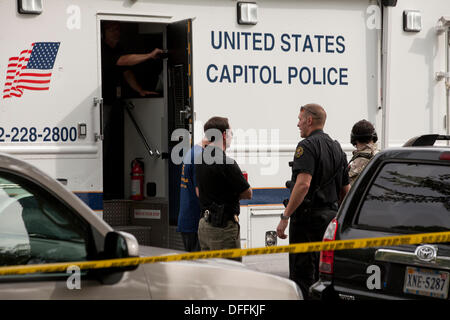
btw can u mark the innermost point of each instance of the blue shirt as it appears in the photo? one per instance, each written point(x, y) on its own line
point(189, 214)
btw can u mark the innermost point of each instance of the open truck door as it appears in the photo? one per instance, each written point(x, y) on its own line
point(149, 125)
point(180, 100)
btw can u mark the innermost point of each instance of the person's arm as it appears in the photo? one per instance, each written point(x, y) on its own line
point(346, 179)
point(247, 194)
point(298, 194)
point(235, 179)
point(343, 193)
point(134, 84)
point(134, 59)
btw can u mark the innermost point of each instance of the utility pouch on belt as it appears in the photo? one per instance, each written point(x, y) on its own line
point(214, 214)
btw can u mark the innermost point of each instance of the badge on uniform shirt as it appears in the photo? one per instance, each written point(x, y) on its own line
point(298, 152)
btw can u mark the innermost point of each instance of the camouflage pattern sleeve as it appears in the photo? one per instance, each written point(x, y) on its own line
point(356, 167)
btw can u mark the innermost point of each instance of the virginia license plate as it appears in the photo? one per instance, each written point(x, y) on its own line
point(426, 282)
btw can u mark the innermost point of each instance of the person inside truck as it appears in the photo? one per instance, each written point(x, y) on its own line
point(116, 62)
point(116, 67)
point(364, 138)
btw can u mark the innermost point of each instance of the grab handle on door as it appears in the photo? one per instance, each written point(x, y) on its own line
point(99, 102)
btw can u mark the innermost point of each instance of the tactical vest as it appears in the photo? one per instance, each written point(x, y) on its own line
point(365, 155)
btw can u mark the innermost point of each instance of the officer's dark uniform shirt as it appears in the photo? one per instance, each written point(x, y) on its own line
point(320, 156)
point(221, 183)
point(111, 73)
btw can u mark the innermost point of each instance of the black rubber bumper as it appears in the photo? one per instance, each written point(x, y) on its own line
point(322, 290)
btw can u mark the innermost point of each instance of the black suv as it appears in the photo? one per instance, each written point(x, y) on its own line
point(401, 191)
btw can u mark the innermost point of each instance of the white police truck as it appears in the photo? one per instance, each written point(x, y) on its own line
point(254, 62)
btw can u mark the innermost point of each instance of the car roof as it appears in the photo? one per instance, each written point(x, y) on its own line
point(426, 140)
point(414, 153)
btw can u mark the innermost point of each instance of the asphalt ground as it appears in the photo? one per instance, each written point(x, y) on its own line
point(277, 263)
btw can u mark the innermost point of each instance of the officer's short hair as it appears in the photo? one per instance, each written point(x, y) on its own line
point(217, 123)
point(363, 131)
point(317, 113)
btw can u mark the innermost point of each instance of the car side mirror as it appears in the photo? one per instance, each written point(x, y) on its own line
point(118, 244)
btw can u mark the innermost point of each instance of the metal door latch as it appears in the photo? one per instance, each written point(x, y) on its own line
point(442, 75)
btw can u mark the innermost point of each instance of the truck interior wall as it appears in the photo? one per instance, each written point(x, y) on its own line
point(149, 113)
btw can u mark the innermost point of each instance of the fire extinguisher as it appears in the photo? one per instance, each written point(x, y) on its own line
point(137, 179)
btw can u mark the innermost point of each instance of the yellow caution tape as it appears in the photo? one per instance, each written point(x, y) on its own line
point(235, 253)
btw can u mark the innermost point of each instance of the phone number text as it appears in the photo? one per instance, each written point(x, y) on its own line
point(32, 134)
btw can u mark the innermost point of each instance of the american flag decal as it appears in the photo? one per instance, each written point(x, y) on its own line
point(31, 70)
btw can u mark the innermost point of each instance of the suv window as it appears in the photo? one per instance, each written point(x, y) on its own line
point(408, 197)
point(35, 227)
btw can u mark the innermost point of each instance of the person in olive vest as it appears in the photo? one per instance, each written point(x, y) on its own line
point(364, 138)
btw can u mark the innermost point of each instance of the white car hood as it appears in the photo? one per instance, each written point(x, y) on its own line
point(213, 279)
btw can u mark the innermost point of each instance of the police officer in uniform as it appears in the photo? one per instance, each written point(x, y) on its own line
point(364, 138)
point(319, 183)
point(220, 186)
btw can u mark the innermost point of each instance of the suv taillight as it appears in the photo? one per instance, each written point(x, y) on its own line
point(327, 257)
point(444, 156)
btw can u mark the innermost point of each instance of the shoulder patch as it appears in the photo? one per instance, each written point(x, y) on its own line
point(298, 152)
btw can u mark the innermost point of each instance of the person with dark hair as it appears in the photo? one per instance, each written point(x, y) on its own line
point(319, 183)
point(220, 186)
point(364, 138)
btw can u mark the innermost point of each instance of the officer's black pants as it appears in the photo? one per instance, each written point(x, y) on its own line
point(304, 267)
point(190, 241)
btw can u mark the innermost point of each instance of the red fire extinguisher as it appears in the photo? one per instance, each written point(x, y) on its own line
point(137, 179)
